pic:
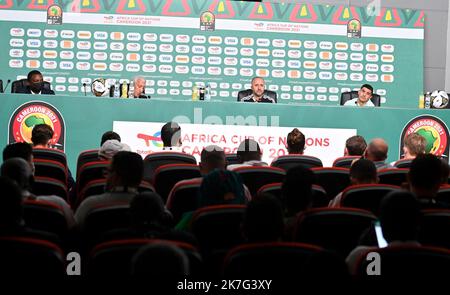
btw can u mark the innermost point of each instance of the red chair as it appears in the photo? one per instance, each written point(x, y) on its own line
point(86, 157)
point(155, 160)
point(443, 194)
point(337, 229)
point(232, 159)
point(167, 176)
point(394, 176)
point(333, 180)
point(290, 161)
point(276, 259)
point(91, 171)
point(366, 196)
point(183, 198)
point(50, 168)
point(50, 154)
point(46, 216)
point(345, 162)
point(403, 163)
point(434, 228)
point(47, 186)
point(30, 258)
point(254, 177)
point(113, 259)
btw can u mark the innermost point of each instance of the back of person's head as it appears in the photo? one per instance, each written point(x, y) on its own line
point(221, 187)
point(355, 145)
point(18, 170)
point(297, 190)
point(399, 216)
point(363, 171)
point(162, 260)
point(248, 150)
point(18, 150)
point(10, 203)
point(147, 209)
point(32, 73)
point(212, 157)
point(126, 169)
point(41, 134)
point(415, 144)
point(377, 150)
point(171, 134)
point(109, 135)
point(295, 142)
point(425, 174)
point(112, 147)
point(263, 219)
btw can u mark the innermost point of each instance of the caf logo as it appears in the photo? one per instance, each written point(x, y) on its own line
point(433, 130)
point(33, 113)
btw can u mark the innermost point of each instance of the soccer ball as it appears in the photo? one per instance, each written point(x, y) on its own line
point(98, 87)
point(439, 99)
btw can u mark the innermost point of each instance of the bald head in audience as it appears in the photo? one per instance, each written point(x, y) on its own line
point(377, 150)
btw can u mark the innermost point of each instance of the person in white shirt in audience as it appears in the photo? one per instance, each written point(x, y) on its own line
point(363, 99)
point(122, 182)
point(110, 148)
point(249, 154)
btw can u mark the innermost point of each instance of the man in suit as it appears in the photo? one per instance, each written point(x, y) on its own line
point(35, 85)
point(363, 99)
point(258, 87)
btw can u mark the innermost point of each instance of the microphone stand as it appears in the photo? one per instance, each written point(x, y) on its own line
point(84, 85)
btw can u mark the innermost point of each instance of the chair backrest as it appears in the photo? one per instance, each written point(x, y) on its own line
point(247, 92)
point(403, 163)
point(85, 157)
point(218, 227)
point(319, 197)
point(50, 168)
point(104, 218)
point(268, 259)
point(32, 258)
point(155, 160)
point(366, 196)
point(345, 162)
point(333, 180)
point(272, 188)
point(254, 177)
point(47, 186)
point(24, 83)
point(336, 229)
point(443, 195)
point(50, 154)
point(290, 161)
point(183, 198)
point(90, 171)
point(113, 258)
point(45, 216)
point(434, 228)
point(394, 176)
point(346, 96)
point(167, 176)
point(409, 261)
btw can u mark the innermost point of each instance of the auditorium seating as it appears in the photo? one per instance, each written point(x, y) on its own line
point(333, 180)
point(254, 177)
point(167, 176)
point(393, 176)
point(290, 161)
point(155, 160)
point(345, 162)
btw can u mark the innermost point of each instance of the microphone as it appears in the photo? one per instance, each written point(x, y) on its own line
point(6, 86)
point(84, 85)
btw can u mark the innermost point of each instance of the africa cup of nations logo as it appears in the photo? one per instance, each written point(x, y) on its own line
point(433, 130)
point(33, 113)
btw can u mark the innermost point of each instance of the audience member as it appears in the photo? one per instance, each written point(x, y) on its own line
point(109, 135)
point(171, 136)
point(355, 146)
point(295, 142)
point(249, 154)
point(377, 152)
point(110, 148)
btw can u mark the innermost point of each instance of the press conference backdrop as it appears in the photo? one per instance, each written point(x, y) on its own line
point(302, 50)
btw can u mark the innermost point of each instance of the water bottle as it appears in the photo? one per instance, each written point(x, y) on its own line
point(202, 93)
point(124, 90)
point(195, 92)
point(427, 102)
point(131, 90)
point(207, 92)
point(116, 89)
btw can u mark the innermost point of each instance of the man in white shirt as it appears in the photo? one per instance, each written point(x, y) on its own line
point(364, 97)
